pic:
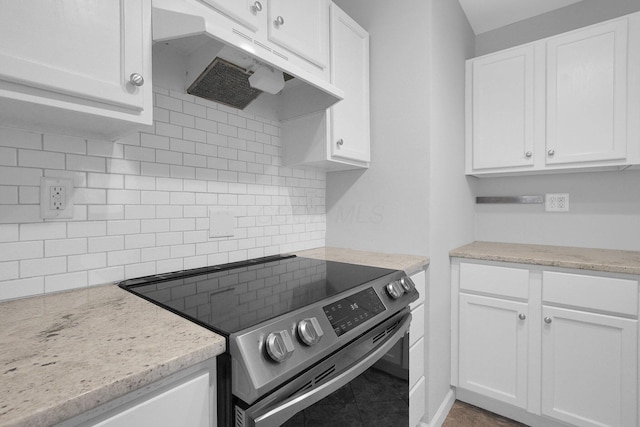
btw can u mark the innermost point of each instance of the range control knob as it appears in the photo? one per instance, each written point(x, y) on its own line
point(395, 290)
point(279, 346)
point(407, 284)
point(309, 331)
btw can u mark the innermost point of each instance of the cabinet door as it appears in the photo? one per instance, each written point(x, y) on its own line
point(587, 95)
point(349, 118)
point(247, 12)
point(493, 335)
point(188, 404)
point(589, 368)
point(301, 26)
point(501, 110)
point(87, 50)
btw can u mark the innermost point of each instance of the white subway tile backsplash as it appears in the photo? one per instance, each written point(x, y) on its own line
point(105, 149)
point(62, 282)
point(21, 288)
point(9, 270)
point(106, 244)
point(53, 248)
point(139, 270)
point(86, 229)
point(43, 230)
point(86, 262)
point(65, 144)
point(20, 176)
point(86, 163)
point(130, 256)
point(42, 266)
point(106, 275)
point(20, 139)
point(142, 203)
point(102, 180)
point(8, 195)
point(105, 212)
point(8, 156)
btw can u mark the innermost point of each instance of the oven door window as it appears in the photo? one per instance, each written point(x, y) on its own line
point(371, 371)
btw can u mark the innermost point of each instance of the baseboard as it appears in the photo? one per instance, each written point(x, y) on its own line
point(442, 412)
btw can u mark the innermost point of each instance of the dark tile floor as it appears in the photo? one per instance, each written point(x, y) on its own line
point(465, 415)
point(375, 398)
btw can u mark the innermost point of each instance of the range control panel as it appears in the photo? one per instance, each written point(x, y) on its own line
point(352, 311)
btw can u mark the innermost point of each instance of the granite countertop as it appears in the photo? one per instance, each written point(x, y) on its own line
point(65, 353)
point(409, 263)
point(606, 260)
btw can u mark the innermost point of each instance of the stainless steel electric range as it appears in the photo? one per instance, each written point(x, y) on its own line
point(297, 329)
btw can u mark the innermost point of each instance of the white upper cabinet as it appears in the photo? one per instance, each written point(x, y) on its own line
point(338, 138)
point(587, 95)
point(249, 13)
point(76, 67)
point(560, 103)
point(501, 95)
point(349, 119)
point(299, 26)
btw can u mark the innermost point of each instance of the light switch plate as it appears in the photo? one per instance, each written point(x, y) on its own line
point(221, 223)
point(56, 198)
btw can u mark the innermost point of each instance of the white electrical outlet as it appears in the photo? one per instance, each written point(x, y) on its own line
point(556, 202)
point(56, 199)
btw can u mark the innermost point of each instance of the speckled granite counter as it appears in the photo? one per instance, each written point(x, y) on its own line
point(63, 354)
point(607, 260)
point(409, 263)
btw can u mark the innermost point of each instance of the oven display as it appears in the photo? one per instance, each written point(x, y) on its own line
point(350, 312)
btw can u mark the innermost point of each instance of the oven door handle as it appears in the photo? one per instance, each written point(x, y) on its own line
point(279, 414)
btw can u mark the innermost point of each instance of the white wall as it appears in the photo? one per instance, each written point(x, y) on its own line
point(604, 206)
point(451, 200)
point(385, 208)
point(415, 197)
point(141, 203)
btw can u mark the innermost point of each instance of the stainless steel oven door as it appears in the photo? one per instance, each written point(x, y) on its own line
point(328, 376)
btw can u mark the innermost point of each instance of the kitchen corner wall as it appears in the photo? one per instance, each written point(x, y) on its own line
point(142, 203)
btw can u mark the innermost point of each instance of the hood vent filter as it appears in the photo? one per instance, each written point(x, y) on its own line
point(225, 83)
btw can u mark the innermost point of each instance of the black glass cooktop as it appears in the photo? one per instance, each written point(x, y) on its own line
point(231, 297)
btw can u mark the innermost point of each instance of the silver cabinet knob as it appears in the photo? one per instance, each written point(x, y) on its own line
point(136, 79)
point(528, 154)
point(257, 7)
point(522, 316)
point(548, 320)
point(551, 152)
point(279, 346)
point(279, 21)
point(309, 331)
point(340, 142)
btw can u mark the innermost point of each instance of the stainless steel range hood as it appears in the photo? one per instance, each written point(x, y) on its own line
point(220, 59)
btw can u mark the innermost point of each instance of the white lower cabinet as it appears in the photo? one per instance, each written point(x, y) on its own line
point(417, 381)
point(493, 348)
point(185, 404)
point(186, 398)
point(561, 350)
point(589, 368)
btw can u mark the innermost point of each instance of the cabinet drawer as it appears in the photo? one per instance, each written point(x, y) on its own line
point(591, 292)
point(504, 281)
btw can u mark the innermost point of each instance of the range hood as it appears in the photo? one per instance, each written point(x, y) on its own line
point(220, 61)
